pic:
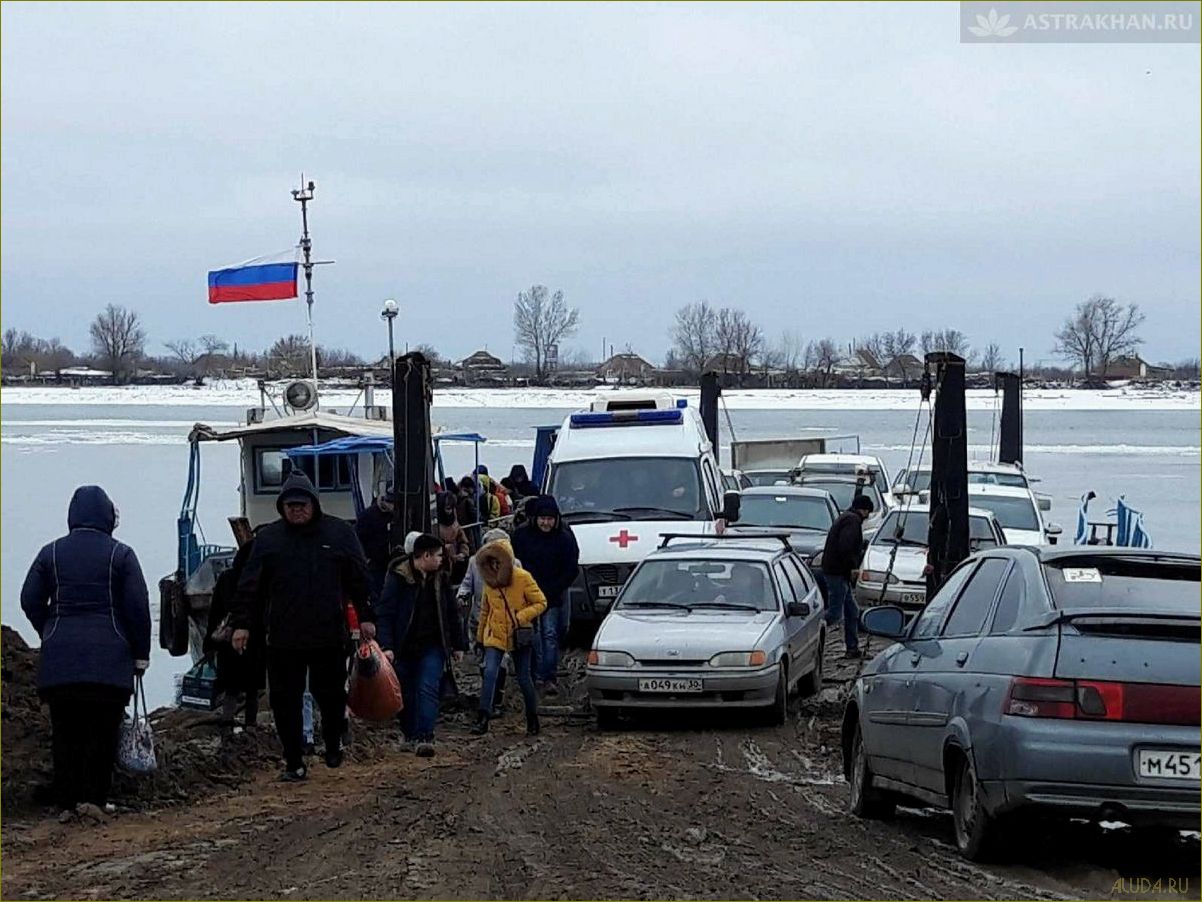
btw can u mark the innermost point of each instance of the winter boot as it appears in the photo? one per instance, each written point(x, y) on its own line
point(480, 727)
point(532, 725)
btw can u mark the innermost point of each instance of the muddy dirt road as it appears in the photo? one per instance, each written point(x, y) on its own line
point(658, 810)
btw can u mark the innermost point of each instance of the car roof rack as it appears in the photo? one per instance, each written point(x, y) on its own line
point(667, 537)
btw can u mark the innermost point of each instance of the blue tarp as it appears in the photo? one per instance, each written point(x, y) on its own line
point(364, 444)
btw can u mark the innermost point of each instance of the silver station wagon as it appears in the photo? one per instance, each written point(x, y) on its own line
point(1037, 681)
point(719, 621)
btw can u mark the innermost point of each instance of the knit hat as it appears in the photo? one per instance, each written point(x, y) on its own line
point(496, 535)
point(409, 540)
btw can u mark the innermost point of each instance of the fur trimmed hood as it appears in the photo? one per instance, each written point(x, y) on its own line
point(495, 561)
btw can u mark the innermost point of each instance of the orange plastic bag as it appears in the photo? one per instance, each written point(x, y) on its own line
point(375, 690)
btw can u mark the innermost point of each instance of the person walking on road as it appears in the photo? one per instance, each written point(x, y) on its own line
point(840, 565)
point(547, 548)
point(470, 595)
point(239, 674)
point(86, 597)
point(456, 549)
point(303, 570)
point(511, 602)
point(421, 632)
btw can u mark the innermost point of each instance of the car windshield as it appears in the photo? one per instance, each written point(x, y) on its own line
point(767, 477)
point(920, 480)
point(914, 530)
point(628, 488)
point(843, 492)
point(845, 469)
point(784, 510)
point(1011, 512)
point(709, 584)
point(1121, 582)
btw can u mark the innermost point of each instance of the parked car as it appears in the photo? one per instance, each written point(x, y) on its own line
point(713, 622)
point(1063, 682)
point(912, 482)
point(805, 514)
point(767, 477)
point(848, 465)
point(893, 569)
point(1018, 512)
point(843, 489)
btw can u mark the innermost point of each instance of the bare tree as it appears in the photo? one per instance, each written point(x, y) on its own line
point(1099, 331)
point(895, 348)
point(737, 339)
point(183, 350)
point(789, 352)
point(820, 357)
point(992, 360)
point(694, 335)
point(952, 341)
point(288, 356)
point(118, 340)
point(337, 357)
point(540, 320)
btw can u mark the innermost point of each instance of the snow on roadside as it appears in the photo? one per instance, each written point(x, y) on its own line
point(244, 393)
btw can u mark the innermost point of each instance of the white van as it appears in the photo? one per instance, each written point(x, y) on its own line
point(632, 467)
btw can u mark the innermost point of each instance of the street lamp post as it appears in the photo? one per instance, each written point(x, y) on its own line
point(389, 313)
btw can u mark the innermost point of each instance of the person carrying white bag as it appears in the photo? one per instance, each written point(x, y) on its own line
point(86, 597)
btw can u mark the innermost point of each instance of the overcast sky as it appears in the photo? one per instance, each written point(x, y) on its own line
point(834, 170)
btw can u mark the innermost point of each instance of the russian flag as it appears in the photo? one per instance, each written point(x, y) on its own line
point(270, 278)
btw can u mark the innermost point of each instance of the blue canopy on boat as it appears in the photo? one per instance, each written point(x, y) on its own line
point(365, 444)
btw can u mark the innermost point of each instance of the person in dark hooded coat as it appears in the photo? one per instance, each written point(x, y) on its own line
point(548, 550)
point(238, 674)
point(519, 484)
point(86, 597)
point(302, 571)
point(374, 527)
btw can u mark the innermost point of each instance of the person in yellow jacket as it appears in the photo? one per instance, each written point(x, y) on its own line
point(511, 602)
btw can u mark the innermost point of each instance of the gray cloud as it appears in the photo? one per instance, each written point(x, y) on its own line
point(834, 170)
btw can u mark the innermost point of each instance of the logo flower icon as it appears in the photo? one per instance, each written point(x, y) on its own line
point(993, 26)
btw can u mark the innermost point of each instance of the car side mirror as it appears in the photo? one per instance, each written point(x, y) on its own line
point(797, 609)
point(732, 503)
point(888, 621)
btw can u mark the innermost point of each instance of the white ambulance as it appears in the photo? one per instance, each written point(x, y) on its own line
point(632, 467)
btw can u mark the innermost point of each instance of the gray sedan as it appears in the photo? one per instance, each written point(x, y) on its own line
point(720, 621)
point(1037, 680)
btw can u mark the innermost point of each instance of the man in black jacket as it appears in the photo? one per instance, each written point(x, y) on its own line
point(840, 565)
point(373, 527)
point(548, 550)
point(303, 569)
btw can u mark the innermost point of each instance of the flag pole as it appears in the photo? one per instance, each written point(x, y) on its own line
point(303, 195)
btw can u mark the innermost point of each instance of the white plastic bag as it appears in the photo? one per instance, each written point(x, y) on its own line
point(135, 748)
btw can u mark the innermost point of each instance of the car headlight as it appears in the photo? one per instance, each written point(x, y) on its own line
point(739, 659)
point(877, 576)
point(610, 659)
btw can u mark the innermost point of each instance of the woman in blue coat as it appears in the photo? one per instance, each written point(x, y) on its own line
point(86, 597)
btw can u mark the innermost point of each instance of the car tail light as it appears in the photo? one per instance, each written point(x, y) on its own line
point(1104, 700)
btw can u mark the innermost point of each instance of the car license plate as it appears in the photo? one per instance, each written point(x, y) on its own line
point(913, 598)
point(608, 591)
point(667, 685)
point(1163, 764)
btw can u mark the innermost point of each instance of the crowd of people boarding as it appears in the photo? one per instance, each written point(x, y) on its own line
point(283, 614)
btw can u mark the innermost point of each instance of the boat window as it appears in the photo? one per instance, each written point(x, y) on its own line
point(272, 467)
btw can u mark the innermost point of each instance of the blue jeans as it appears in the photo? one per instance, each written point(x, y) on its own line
point(421, 690)
point(549, 632)
point(843, 604)
point(521, 665)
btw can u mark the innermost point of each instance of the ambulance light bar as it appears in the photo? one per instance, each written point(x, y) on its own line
point(626, 418)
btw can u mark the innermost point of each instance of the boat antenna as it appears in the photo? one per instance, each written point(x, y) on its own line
point(303, 195)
